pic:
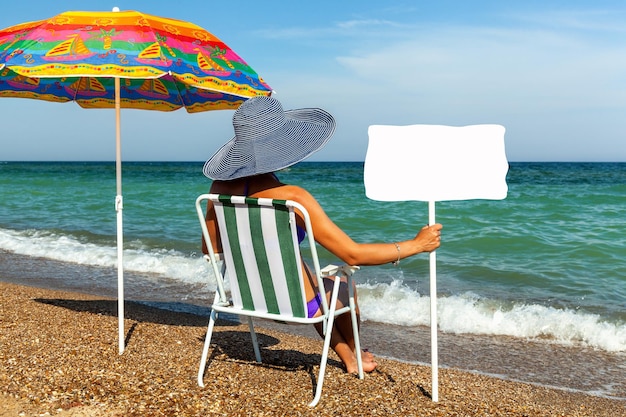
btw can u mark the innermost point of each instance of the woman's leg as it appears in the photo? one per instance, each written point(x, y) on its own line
point(342, 338)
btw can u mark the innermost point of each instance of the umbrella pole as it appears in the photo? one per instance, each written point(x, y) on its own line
point(434, 356)
point(119, 206)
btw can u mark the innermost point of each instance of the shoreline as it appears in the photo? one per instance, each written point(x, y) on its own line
point(543, 362)
point(59, 356)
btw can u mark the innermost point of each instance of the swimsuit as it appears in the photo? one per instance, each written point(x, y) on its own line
point(314, 305)
point(301, 233)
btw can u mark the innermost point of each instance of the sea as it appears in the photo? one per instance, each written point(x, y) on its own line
point(530, 288)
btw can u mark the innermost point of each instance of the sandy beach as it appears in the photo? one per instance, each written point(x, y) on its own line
point(59, 356)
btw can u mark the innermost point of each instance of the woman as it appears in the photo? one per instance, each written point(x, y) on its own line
point(268, 139)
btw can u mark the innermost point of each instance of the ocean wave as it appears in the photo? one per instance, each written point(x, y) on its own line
point(395, 303)
point(66, 248)
point(391, 302)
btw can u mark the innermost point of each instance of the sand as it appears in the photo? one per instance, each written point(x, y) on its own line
point(59, 357)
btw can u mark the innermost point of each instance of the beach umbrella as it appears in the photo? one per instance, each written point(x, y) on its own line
point(434, 163)
point(123, 59)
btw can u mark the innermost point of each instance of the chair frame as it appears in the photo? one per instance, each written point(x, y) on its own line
point(222, 303)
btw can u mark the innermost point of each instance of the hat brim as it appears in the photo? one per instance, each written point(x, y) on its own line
point(305, 132)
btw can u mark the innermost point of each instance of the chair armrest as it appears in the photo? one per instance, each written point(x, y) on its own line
point(331, 270)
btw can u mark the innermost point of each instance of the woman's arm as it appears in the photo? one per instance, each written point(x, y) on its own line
point(335, 240)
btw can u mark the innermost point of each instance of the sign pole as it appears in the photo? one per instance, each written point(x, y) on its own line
point(433, 312)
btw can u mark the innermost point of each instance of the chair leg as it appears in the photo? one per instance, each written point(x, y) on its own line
point(355, 327)
point(255, 342)
point(327, 337)
point(205, 350)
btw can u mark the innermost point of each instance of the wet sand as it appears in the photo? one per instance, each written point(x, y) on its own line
point(58, 355)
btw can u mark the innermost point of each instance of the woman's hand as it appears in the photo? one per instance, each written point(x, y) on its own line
point(429, 237)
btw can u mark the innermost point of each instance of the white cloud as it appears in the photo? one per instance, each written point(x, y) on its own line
point(589, 20)
point(367, 24)
point(496, 65)
point(557, 92)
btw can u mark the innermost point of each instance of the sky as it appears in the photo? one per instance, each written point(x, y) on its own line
point(553, 73)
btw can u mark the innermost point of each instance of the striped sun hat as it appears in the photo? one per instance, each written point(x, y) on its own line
point(268, 138)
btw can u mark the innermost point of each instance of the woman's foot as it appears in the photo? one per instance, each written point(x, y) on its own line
point(369, 363)
point(367, 355)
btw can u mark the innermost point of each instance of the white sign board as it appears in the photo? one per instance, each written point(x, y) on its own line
point(435, 163)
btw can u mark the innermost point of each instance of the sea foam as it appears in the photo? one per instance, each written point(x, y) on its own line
point(166, 262)
point(393, 302)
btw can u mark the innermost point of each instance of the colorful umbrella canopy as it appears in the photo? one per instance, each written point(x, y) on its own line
point(166, 64)
point(120, 60)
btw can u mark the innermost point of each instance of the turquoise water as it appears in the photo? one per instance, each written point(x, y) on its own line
point(546, 262)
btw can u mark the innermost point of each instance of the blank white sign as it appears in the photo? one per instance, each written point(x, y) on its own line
point(435, 163)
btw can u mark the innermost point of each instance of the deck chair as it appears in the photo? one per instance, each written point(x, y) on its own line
point(263, 264)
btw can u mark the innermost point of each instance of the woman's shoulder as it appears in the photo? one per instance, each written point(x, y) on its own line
point(287, 192)
point(265, 187)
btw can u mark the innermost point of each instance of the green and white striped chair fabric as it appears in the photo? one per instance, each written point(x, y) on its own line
point(263, 264)
point(260, 240)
